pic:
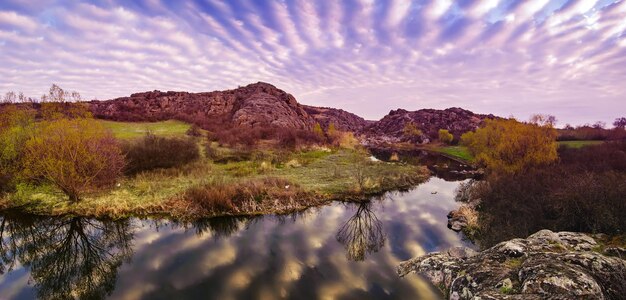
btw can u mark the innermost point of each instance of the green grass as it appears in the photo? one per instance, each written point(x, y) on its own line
point(579, 144)
point(132, 130)
point(460, 152)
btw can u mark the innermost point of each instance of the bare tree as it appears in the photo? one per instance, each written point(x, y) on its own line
point(362, 234)
point(9, 97)
point(620, 123)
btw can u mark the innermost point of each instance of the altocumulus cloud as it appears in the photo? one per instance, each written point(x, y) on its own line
point(508, 57)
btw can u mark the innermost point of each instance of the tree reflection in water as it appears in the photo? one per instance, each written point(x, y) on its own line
point(68, 257)
point(362, 234)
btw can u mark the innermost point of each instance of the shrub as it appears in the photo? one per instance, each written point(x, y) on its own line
point(75, 155)
point(411, 131)
point(154, 152)
point(269, 193)
point(508, 146)
point(445, 136)
point(16, 127)
point(194, 131)
point(318, 131)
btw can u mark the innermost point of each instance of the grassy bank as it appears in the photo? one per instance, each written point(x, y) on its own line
point(579, 144)
point(132, 130)
point(264, 183)
point(457, 152)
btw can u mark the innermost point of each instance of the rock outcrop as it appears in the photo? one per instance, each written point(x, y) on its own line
point(546, 265)
point(255, 105)
point(390, 129)
point(343, 120)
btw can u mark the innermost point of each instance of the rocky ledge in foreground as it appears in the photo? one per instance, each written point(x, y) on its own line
point(546, 265)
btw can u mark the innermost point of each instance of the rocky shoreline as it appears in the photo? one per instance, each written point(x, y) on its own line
point(546, 265)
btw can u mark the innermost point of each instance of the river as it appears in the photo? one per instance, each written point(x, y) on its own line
point(337, 251)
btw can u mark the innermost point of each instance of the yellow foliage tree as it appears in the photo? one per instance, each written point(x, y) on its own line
point(445, 136)
point(317, 129)
point(410, 130)
point(332, 130)
point(508, 146)
point(16, 127)
point(73, 154)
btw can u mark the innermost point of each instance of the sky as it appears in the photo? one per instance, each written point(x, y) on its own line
point(507, 57)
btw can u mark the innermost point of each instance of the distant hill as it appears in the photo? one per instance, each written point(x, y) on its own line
point(390, 129)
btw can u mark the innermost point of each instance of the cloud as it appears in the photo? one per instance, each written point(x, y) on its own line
point(362, 55)
point(14, 20)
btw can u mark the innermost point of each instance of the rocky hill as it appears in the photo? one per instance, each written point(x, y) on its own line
point(255, 105)
point(261, 104)
point(390, 129)
point(343, 120)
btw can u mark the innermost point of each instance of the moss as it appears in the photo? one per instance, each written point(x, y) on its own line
point(514, 263)
point(507, 290)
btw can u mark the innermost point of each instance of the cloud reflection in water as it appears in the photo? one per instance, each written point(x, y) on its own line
point(335, 251)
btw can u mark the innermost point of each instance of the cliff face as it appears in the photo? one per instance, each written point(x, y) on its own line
point(255, 105)
point(429, 121)
point(343, 120)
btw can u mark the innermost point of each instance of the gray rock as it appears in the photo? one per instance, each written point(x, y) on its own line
point(546, 265)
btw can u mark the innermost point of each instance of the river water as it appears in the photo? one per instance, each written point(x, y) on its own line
point(338, 251)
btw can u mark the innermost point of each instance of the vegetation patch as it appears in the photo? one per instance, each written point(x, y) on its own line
point(134, 130)
point(579, 144)
point(458, 152)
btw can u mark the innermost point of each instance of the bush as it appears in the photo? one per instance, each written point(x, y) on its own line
point(154, 152)
point(219, 196)
point(17, 125)
point(194, 131)
point(508, 146)
point(75, 155)
point(445, 136)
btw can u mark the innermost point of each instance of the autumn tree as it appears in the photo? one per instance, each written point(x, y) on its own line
point(445, 136)
point(508, 146)
point(75, 155)
point(411, 131)
point(332, 129)
point(317, 129)
point(16, 127)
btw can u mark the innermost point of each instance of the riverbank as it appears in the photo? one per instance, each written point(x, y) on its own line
point(261, 184)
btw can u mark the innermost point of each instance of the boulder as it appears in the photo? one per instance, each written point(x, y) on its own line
point(546, 265)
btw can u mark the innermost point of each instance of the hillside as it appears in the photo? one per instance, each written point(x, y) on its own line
point(343, 120)
point(255, 105)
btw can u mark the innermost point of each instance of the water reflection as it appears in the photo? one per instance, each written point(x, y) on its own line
point(362, 234)
point(334, 251)
point(68, 257)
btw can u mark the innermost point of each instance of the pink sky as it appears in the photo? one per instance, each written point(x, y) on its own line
point(506, 57)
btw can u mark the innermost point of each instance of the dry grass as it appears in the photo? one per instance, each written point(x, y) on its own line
point(253, 196)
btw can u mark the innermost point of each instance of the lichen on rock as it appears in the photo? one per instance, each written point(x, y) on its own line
point(559, 265)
